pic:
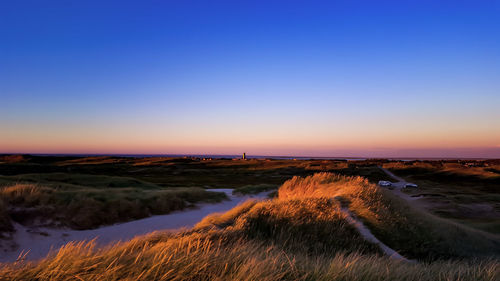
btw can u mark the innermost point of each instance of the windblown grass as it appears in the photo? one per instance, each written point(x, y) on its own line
point(303, 235)
point(230, 253)
point(84, 208)
point(313, 225)
point(26, 194)
point(411, 232)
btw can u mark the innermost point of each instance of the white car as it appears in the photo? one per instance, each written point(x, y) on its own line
point(384, 183)
point(411, 185)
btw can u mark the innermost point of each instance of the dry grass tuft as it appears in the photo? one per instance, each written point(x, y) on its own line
point(27, 195)
point(324, 185)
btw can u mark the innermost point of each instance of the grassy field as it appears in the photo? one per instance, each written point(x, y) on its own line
point(464, 191)
point(302, 235)
point(86, 192)
point(184, 172)
point(467, 192)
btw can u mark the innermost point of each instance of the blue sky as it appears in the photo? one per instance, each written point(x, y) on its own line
point(326, 78)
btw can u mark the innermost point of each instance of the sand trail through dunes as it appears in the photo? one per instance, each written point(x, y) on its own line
point(366, 233)
point(36, 243)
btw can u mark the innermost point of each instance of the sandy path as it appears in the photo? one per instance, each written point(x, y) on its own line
point(368, 235)
point(39, 241)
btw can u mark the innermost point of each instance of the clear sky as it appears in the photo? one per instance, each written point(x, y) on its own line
point(316, 78)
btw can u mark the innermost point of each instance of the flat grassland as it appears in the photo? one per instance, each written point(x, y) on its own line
point(467, 192)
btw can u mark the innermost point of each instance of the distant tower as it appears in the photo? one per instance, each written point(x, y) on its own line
point(244, 156)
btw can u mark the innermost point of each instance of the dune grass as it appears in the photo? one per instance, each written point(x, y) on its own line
point(297, 239)
point(410, 231)
point(313, 225)
point(302, 235)
point(85, 208)
point(85, 201)
point(222, 256)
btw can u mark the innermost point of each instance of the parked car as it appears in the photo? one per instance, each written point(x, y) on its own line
point(411, 185)
point(384, 183)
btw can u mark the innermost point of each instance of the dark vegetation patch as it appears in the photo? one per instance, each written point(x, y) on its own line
point(255, 188)
point(5, 222)
point(176, 172)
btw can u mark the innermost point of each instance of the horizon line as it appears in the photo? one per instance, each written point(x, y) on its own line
point(248, 156)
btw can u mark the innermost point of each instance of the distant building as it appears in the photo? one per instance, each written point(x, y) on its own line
point(244, 156)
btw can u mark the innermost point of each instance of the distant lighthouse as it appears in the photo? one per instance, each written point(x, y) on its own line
point(244, 156)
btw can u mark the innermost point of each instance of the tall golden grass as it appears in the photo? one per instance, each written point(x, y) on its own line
point(221, 255)
point(313, 225)
point(410, 231)
point(20, 193)
point(325, 185)
point(25, 194)
point(295, 237)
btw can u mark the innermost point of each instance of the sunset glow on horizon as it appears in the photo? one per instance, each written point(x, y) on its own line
point(344, 79)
